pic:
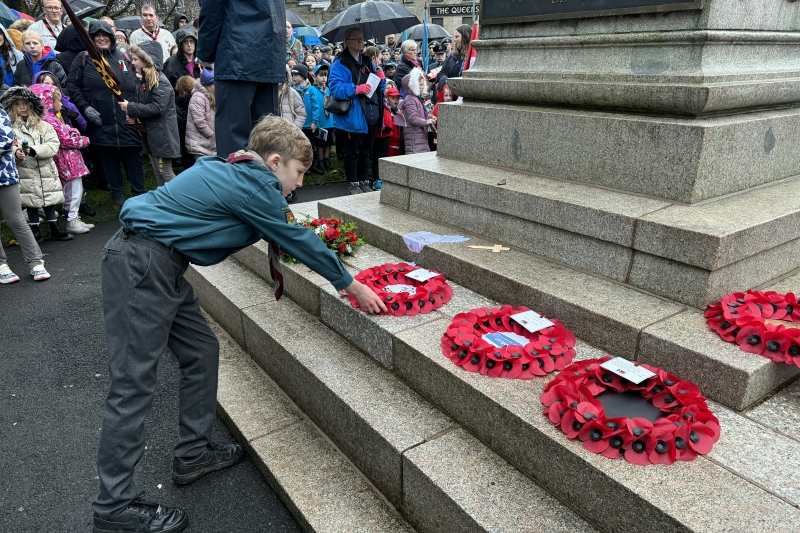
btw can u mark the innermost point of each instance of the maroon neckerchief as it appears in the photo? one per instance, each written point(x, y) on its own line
point(274, 252)
point(153, 36)
point(49, 28)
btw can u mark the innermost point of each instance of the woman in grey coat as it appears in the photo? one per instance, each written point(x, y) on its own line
point(155, 107)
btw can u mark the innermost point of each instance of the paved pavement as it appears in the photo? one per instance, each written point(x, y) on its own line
point(53, 381)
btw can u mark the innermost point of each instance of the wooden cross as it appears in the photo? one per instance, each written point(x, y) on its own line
point(495, 249)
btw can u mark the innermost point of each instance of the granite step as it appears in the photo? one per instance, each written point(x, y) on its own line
point(387, 430)
point(753, 468)
point(697, 252)
point(616, 318)
point(317, 483)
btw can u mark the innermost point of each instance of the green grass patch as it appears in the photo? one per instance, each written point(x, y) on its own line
point(101, 201)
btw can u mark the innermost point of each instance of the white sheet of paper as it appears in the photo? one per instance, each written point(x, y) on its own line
point(398, 288)
point(373, 81)
point(532, 321)
point(422, 275)
point(627, 369)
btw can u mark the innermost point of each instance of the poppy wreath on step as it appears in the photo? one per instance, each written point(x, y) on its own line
point(464, 343)
point(685, 429)
point(757, 321)
point(402, 295)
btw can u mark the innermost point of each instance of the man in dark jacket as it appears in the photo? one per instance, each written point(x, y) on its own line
point(248, 62)
point(117, 141)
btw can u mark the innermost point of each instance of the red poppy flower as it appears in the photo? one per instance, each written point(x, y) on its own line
point(332, 234)
point(334, 222)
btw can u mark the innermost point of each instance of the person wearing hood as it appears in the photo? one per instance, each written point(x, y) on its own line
point(117, 142)
point(69, 110)
point(183, 63)
point(68, 46)
point(40, 187)
point(415, 133)
point(37, 58)
point(10, 57)
point(71, 168)
point(155, 107)
point(179, 21)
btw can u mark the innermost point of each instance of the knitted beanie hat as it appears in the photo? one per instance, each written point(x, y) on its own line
point(207, 77)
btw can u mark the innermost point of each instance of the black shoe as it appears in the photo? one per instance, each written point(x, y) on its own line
point(145, 517)
point(354, 188)
point(292, 197)
point(119, 201)
point(85, 209)
point(57, 233)
point(316, 168)
point(216, 457)
point(326, 163)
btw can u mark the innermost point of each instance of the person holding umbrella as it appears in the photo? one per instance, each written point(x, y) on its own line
point(348, 81)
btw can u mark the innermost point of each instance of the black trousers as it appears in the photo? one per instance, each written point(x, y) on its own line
point(149, 306)
point(356, 148)
point(379, 150)
point(240, 104)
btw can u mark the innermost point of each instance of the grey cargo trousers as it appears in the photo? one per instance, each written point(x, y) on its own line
point(149, 306)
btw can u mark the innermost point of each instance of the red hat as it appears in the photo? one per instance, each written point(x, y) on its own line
point(393, 92)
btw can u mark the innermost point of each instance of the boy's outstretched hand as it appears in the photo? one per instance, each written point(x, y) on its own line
point(367, 299)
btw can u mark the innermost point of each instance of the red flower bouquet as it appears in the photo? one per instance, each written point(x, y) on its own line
point(341, 237)
point(760, 323)
point(472, 340)
point(685, 428)
point(404, 296)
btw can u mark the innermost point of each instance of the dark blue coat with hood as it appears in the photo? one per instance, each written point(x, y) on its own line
point(246, 39)
point(87, 89)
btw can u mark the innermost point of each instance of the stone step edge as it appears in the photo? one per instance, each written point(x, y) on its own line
point(636, 221)
point(654, 342)
point(460, 513)
point(241, 376)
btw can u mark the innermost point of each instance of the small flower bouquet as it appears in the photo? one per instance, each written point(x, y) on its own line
point(341, 237)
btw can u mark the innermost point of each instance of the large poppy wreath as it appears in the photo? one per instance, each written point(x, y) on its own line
point(757, 321)
point(467, 344)
point(586, 401)
point(404, 296)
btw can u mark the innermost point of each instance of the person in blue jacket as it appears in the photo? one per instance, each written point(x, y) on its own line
point(300, 82)
point(245, 40)
point(348, 81)
point(10, 57)
point(321, 118)
point(208, 212)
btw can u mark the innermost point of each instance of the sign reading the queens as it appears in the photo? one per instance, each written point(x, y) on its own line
point(494, 12)
point(453, 11)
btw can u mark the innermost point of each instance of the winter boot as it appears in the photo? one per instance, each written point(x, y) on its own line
point(36, 233)
point(57, 233)
point(316, 168)
point(326, 163)
point(85, 209)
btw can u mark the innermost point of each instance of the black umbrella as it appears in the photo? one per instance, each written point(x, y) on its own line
point(374, 19)
point(434, 32)
point(85, 8)
point(294, 19)
point(131, 23)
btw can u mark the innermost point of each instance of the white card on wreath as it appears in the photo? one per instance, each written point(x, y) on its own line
point(532, 321)
point(422, 275)
point(627, 369)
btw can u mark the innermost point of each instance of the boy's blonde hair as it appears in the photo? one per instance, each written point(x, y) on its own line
point(276, 135)
point(34, 34)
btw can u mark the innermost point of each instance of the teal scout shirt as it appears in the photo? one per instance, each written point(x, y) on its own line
point(215, 209)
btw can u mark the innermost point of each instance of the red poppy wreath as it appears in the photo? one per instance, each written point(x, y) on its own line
point(489, 341)
point(589, 402)
point(404, 295)
point(764, 323)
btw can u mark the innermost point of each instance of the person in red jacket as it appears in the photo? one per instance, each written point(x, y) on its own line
point(444, 95)
point(394, 145)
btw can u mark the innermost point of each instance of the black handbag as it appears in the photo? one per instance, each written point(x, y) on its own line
point(332, 105)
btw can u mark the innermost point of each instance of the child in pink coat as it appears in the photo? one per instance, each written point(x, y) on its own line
point(69, 160)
